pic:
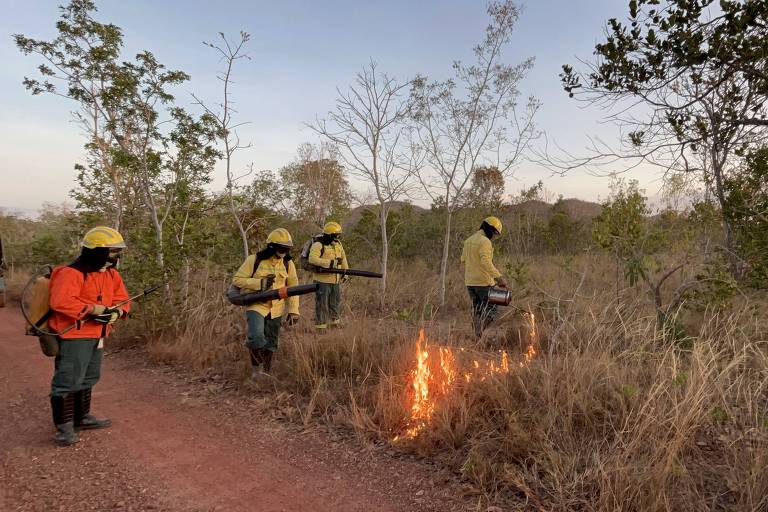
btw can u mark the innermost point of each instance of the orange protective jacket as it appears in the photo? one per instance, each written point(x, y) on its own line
point(73, 295)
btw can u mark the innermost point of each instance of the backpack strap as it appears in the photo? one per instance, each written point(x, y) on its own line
point(44, 318)
point(256, 262)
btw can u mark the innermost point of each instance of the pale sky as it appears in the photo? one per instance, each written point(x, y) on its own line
point(301, 51)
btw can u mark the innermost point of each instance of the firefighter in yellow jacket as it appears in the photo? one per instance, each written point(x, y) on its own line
point(327, 252)
point(269, 269)
point(480, 274)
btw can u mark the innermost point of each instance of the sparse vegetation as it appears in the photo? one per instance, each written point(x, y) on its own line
point(648, 389)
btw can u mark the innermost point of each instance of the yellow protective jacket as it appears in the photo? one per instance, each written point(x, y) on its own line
point(249, 281)
point(477, 257)
point(329, 253)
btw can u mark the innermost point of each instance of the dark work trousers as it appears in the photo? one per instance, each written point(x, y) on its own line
point(327, 303)
point(483, 312)
point(77, 367)
point(262, 332)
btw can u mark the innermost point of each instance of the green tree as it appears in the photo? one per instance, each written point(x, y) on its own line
point(640, 242)
point(685, 79)
point(81, 64)
point(746, 208)
point(563, 233)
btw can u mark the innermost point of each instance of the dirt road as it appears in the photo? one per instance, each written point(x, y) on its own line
point(173, 448)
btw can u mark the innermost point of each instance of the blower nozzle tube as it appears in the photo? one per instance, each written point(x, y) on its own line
point(351, 272)
point(280, 293)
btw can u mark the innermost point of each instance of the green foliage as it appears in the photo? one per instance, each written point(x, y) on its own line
point(623, 229)
point(693, 71)
point(746, 207)
point(563, 233)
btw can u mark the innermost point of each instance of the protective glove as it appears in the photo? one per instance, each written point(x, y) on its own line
point(501, 282)
point(344, 278)
point(339, 262)
point(267, 282)
point(109, 315)
point(98, 310)
point(291, 319)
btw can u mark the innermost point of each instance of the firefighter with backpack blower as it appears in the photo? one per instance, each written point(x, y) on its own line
point(85, 293)
point(269, 269)
point(326, 252)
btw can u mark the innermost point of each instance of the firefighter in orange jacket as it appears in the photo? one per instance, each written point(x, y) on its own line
point(84, 293)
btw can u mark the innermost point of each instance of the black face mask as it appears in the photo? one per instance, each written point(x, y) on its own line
point(327, 239)
point(489, 231)
point(91, 260)
point(114, 258)
point(274, 250)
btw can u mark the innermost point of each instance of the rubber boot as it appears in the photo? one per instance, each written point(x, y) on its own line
point(84, 420)
point(62, 408)
point(257, 359)
point(267, 355)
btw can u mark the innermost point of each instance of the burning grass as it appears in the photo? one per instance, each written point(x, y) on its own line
point(591, 408)
point(440, 370)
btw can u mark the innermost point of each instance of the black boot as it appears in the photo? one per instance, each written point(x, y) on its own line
point(257, 359)
point(267, 358)
point(62, 408)
point(84, 420)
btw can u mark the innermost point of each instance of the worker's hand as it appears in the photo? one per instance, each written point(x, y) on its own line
point(121, 313)
point(291, 319)
point(267, 282)
point(344, 278)
point(339, 262)
point(98, 310)
point(501, 282)
point(109, 316)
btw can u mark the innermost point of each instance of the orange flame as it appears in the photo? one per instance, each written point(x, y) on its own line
point(437, 371)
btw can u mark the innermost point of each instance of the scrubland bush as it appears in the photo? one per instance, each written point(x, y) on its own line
point(610, 414)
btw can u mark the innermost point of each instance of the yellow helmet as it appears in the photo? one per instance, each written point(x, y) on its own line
point(332, 228)
point(494, 222)
point(280, 236)
point(103, 236)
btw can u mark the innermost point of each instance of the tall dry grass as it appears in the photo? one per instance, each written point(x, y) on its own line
point(610, 415)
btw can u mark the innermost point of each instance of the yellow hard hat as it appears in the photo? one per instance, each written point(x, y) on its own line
point(103, 236)
point(494, 222)
point(332, 228)
point(280, 236)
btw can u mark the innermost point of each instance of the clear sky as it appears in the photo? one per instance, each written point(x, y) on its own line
point(301, 51)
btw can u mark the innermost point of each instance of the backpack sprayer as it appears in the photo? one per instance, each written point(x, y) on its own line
point(34, 307)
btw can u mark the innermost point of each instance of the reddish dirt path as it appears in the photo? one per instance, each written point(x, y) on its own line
point(171, 450)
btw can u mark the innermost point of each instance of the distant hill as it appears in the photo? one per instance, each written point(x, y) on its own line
point(577, 209)
point(354, 215)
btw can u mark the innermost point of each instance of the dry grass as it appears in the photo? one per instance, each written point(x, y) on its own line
point(610, 415)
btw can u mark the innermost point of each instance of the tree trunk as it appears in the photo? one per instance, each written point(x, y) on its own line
point(383, 214)
point(185, 276)
point(118, 220)
point(446, 250)
point(733, 260)
point(238, 222)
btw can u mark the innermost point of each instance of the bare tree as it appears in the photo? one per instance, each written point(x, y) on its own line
point(229, 53)
point(471, 120)
point(366, 126)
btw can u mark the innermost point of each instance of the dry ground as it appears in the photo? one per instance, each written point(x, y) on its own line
point(180, 445)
